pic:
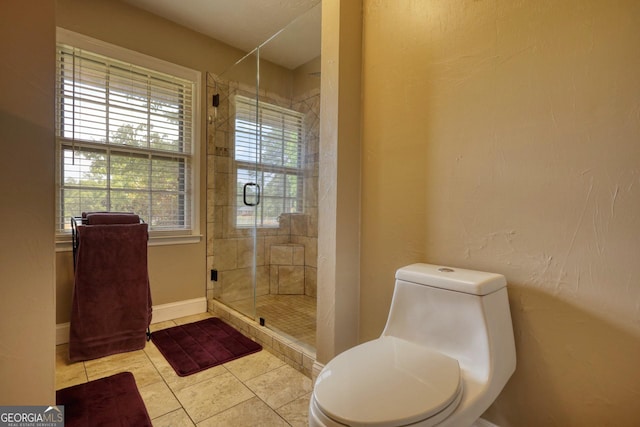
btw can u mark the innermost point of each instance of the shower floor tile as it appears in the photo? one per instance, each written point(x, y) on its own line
point(291, 315)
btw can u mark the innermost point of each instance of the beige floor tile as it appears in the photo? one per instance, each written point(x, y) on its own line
point(178, 383)
point(253, 412)
point(253, 365)
point(169, 374)
point(162, 325)
point(280, 386)
point(67, 373)
point(177, 418)
point(157, 358)
point(210, 397)
point(136, 362)
point(158, 399)
point(70, 375)
point(296, 413)
point(114, 361)
point(144, 375)
point(193, 318)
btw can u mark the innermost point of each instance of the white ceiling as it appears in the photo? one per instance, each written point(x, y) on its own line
point(246, 24)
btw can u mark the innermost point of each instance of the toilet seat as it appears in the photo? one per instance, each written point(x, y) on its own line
point(389, 382)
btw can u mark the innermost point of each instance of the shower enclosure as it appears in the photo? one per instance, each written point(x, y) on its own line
point(262, 183)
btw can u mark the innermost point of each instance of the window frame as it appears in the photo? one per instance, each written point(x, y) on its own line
point(261, 167)
point(117, 53)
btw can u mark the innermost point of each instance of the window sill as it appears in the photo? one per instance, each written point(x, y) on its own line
point(63, 243)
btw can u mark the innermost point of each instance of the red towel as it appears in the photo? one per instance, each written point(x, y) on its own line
point(111, 308)
point(94, 218)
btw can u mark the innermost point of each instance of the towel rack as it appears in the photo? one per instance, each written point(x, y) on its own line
point(76, 220)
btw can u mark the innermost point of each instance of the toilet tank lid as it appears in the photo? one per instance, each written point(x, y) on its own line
point(452, 278)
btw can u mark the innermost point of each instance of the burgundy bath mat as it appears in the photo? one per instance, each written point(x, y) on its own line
point(197, 346)
point(111, 401)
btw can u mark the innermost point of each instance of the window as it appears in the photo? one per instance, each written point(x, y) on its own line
point(126, 136)
point(268, 152)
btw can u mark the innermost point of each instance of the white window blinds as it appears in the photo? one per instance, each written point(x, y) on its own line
point(125, 140)
point(269, 152)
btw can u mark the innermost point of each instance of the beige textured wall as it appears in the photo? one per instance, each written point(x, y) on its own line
point(176, 272)
point(339, 180)
point(504, 136)
point(306, 78)
point(27, 354)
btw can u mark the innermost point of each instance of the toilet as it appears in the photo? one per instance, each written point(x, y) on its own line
point(445, 354)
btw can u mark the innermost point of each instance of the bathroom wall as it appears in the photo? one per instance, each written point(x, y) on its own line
point(339, 189)
point(306, 78)
point(503, 136)
point(176, 271)
point(27, 305)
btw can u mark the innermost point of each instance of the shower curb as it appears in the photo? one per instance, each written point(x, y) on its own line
point(298, 357)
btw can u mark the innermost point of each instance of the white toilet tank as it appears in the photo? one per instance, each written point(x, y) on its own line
point(461, 313)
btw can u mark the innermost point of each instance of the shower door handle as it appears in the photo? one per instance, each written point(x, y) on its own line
point(244, 194)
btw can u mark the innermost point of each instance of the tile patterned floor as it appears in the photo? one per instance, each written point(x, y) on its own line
point(292, 315)
point(256, 390)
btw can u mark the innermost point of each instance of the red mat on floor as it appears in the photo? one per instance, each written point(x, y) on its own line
point(111, 401)
point(197, 346)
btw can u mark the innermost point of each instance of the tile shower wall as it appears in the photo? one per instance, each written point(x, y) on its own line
point(230, 249)
point(304, 228)
point(286, 267)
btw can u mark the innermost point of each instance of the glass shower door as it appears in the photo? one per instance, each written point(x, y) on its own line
point(263, 156)
point(289, 167)
point(248, 189)
point(233, 192)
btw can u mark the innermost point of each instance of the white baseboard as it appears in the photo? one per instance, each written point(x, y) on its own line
point(175, 310)
point(62, 333)
point(161, 313)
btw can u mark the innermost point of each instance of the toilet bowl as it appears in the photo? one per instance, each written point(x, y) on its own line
point(445, 354)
